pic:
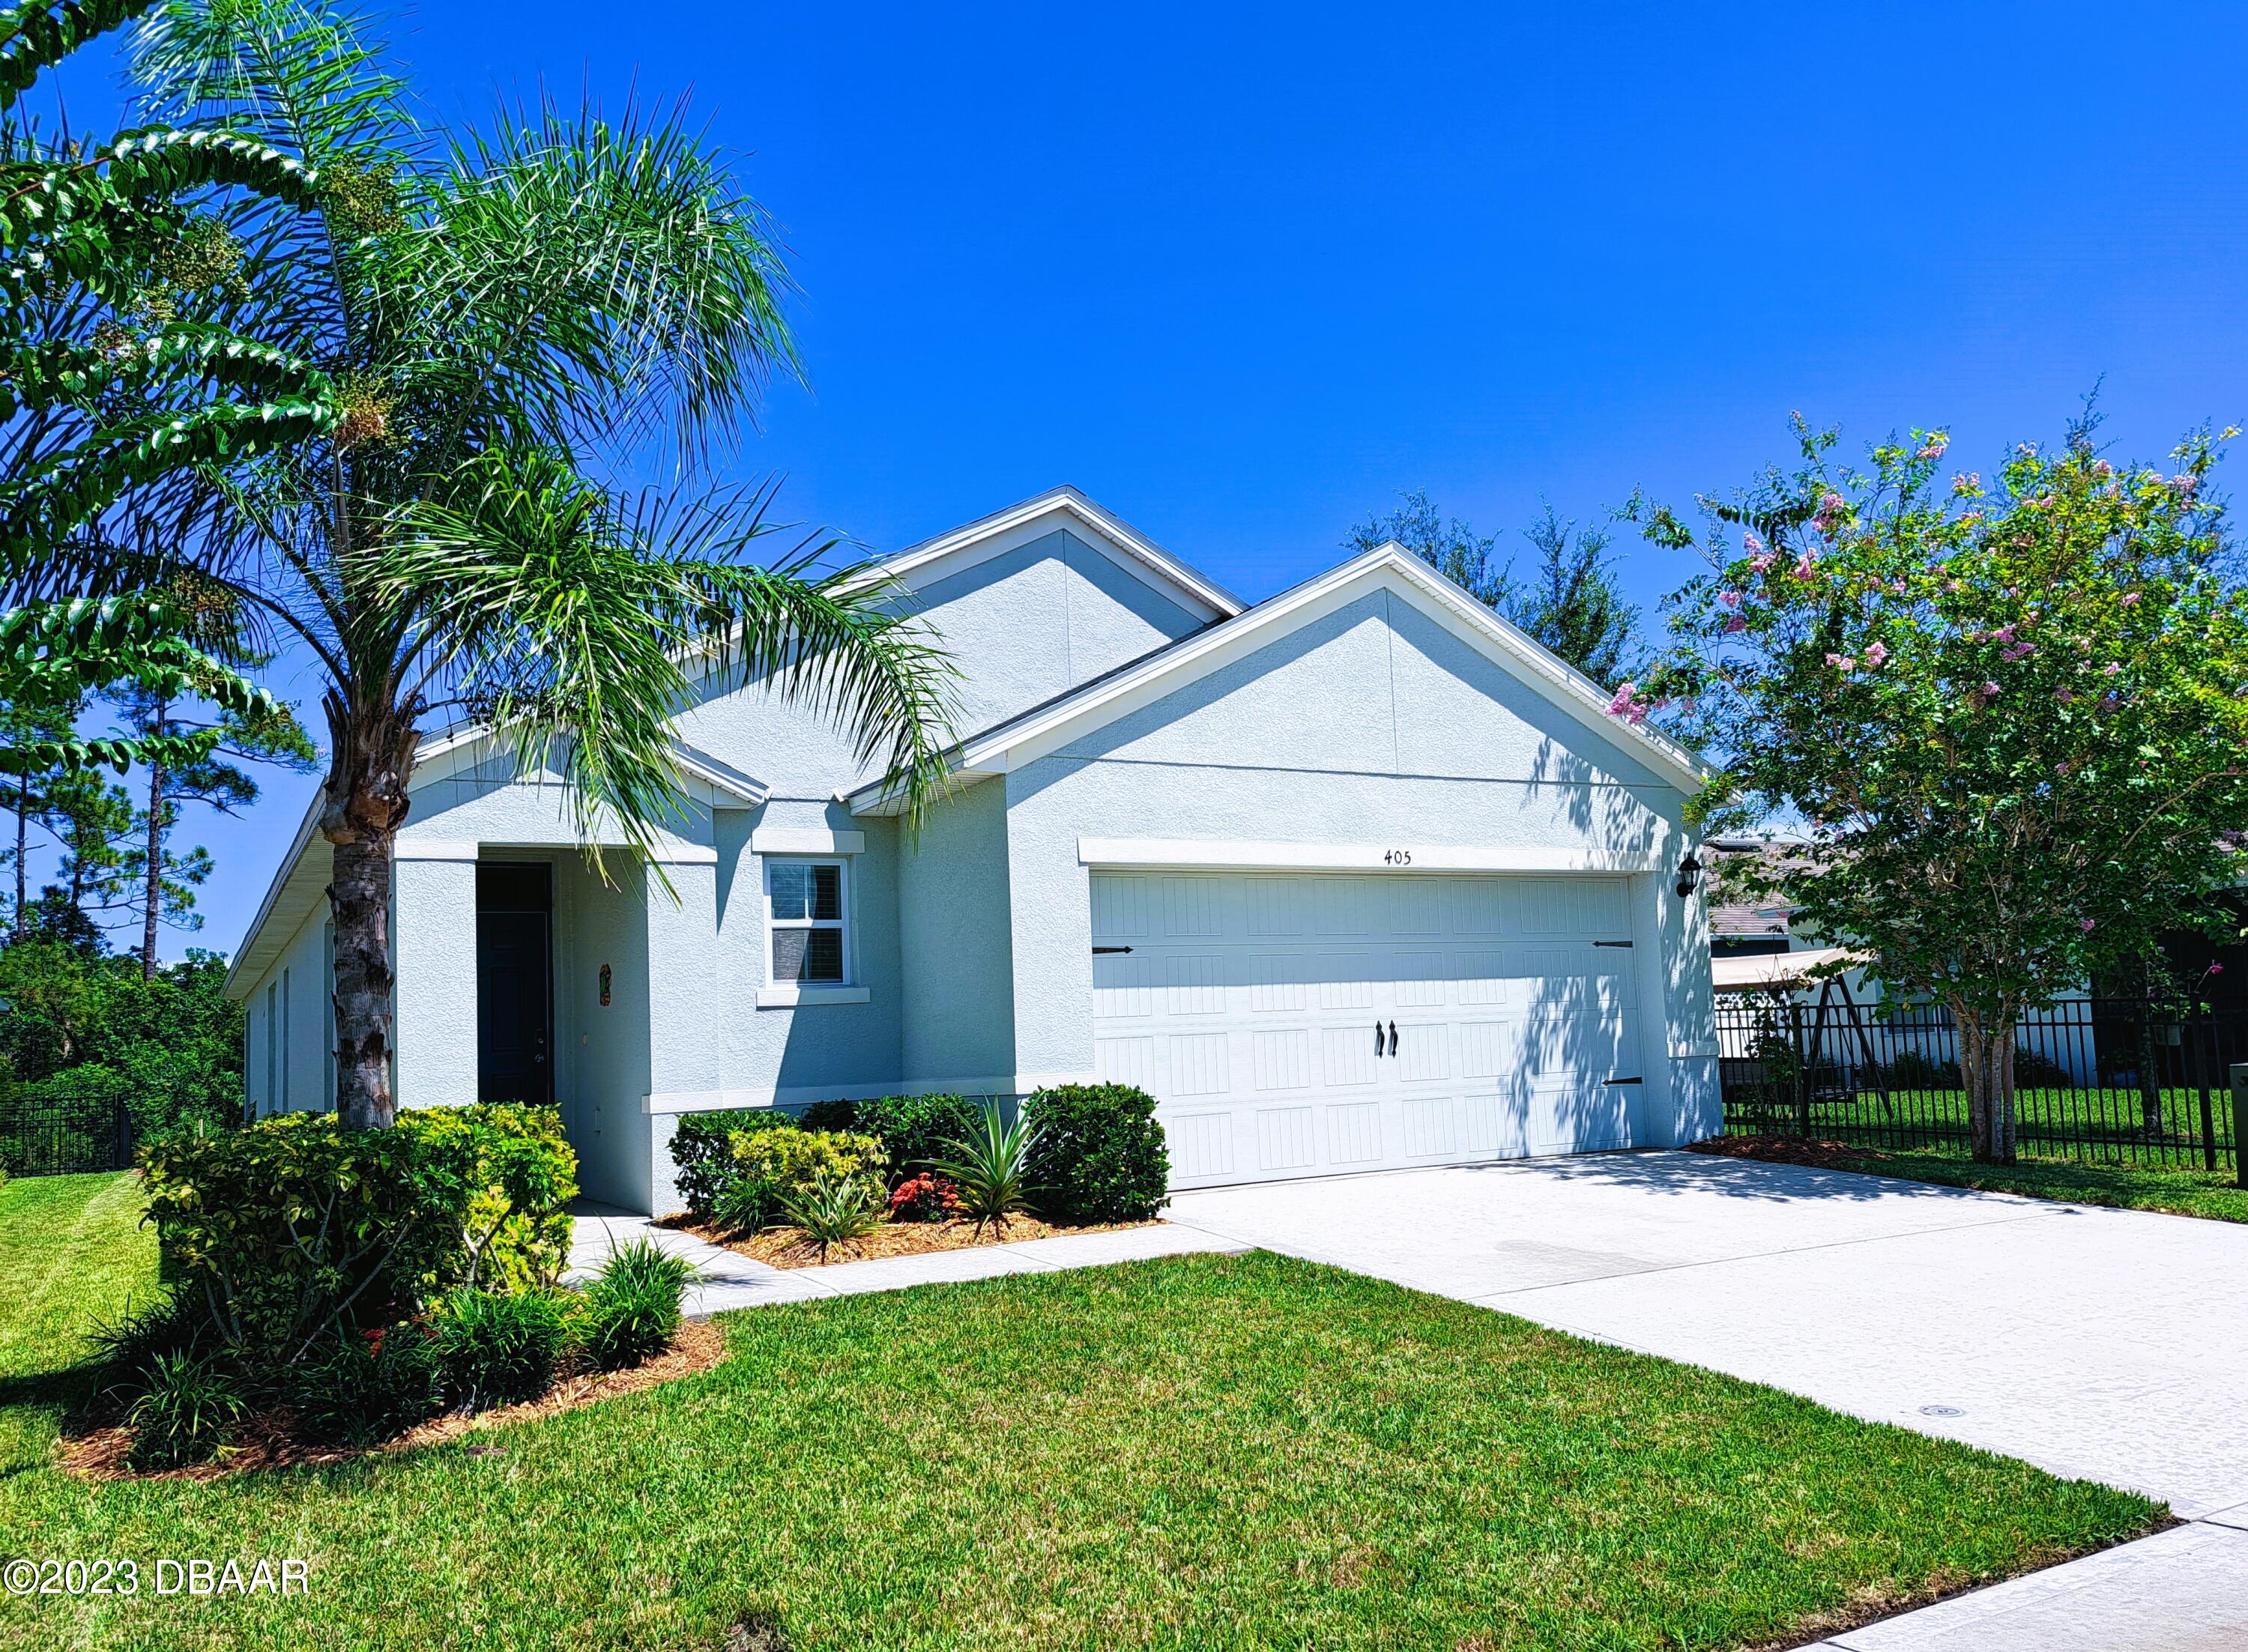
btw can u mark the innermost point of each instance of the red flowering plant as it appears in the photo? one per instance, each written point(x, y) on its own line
point(2011, 718)
point(926, 1197)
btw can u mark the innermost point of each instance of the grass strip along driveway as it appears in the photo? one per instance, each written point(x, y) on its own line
point(1202, 1452)
point(2176, 1190)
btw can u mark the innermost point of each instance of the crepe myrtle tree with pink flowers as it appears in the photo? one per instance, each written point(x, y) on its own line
point(2012, 713)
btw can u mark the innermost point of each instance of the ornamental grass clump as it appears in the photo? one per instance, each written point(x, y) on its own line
point(187, 1403)
point(631, 1311)
point(835, 1206)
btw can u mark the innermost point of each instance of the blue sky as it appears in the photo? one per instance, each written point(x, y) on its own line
point(1243, 274)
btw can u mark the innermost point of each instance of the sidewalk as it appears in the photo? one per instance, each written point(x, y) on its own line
point(731, 1280)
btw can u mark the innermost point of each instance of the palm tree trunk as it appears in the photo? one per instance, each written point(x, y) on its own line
point(363, 804)
point(152, 889)
point(1987, 1063)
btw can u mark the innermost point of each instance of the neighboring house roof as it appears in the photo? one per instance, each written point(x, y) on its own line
point(1033, 733)
point(1730, 918)
point(1774, 968)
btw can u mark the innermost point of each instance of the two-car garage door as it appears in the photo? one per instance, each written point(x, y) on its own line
point(1293, 1026)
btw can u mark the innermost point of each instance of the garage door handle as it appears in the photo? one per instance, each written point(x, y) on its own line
point(1392, 1037)
point(1377, 1040)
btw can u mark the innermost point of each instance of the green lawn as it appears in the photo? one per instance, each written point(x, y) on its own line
point(1200, 1453)
point(2176, 1188)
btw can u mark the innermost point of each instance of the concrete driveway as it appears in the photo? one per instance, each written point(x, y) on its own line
point(2108, 1345)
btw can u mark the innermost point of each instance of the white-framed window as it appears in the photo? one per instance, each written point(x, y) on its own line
point(807, 931)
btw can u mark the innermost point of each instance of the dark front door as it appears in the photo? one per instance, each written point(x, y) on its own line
point(515, 996)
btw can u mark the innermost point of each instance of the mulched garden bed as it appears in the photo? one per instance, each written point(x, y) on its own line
point(1789, 1149)
point(788, 1248)
point(265, 1442)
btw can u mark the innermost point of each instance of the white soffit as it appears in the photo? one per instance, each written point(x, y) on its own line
point(1356, 857)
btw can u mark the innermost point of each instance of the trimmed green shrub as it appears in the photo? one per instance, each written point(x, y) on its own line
point(1100, 1155)
point(497, 1348)
point(775, 1165)
point(701, 1146)
point(631, 1311)
point(917, 1130)
point(361, 1389)
point(292, 1229)
point(830, 1115)
point(187, 1401)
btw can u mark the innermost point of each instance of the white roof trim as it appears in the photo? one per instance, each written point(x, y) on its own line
point(1063, 500)
point(1404, 862)
point(1045, 728)
point(722, 777)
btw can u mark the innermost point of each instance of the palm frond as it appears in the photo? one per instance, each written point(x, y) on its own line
point(572, 620)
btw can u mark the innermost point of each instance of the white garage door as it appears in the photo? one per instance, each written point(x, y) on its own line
point(1293, 1026)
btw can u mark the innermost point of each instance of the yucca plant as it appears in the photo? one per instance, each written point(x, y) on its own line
point(834, 1206)
point(990, 1167)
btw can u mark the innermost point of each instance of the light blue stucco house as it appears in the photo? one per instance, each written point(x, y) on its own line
point(1358, 877)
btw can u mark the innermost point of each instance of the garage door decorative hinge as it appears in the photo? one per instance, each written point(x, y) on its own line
point(1610, 943)
point(1099, 951)
point(1621, 1082)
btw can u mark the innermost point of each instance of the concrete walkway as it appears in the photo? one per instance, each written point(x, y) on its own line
point(2106, 1345)
point(731, 1280)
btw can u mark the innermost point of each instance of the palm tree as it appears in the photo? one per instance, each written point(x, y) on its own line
point(504, 319)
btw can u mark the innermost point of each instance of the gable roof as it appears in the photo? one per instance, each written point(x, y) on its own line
point(1033, 518)
point(1032, 734)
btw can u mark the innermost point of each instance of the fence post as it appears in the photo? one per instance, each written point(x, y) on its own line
point(2240, 1109)
point(1802, 1070)
point(120, 1154)
point(2201, 1081)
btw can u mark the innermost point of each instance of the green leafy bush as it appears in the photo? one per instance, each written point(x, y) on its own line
point(1100, 1155)
point(187, 1401)
point(701, 1146)
point(631, 1311)
point(772, 1167)
point(358, 1390)
point(916, 1130)
point(989, 1166)
point(496, 1348)
point(840, 1115)
point(292, 1229)
point(835, 1205)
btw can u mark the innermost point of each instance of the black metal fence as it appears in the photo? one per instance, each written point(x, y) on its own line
point(2095, 1079)
point(60, 1135)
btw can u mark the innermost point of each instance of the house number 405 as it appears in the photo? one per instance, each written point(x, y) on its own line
point(1397, 857)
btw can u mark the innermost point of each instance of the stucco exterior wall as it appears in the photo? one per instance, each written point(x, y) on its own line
point(955, 944)
point(1371, 726)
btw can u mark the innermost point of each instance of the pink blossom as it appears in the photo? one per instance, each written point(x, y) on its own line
point(1991, 689)
point(1762, 562)
point(1750, 542)
point(2065, 695)
point(1936, 443)
point(1876, 654)
point(1735, 625)
point(2102, 467)
point(1730, 598)
point(2013, 591)
point(2061, 769)
point(2086, 925)
point(1830, 512)
point(2131, 599)
point(2112, 669)
point(2186, 483)
point(1898, 586)
point(1841, 663)
point(2217, 969)
point(1951, 585)
point(1803, 569)
point(2003, 633)
point(2019, 651)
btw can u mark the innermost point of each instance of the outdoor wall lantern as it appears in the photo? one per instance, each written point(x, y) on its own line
point(1690, 873)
